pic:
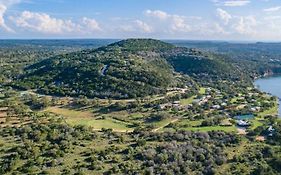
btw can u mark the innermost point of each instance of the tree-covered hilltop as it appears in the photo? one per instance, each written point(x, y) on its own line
point(125, 69)
point(135, 45)
point(113, 71)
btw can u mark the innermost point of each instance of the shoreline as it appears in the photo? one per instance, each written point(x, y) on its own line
point(270, 93)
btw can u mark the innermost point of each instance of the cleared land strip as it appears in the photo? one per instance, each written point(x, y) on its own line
point(163, 126)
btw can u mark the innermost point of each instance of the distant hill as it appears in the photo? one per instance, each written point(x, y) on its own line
point(125, 69)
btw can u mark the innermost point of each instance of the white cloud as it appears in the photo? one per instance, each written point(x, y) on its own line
point(238, 25)
point(231, 3)
point(144, 27)
point(179, 24)
point(224, 15)
point(272, 9)
point(44, 23)
point(9, 2)
point(219, 29)
point(212, 29)
point(4, 4)
point(157, 13)
point(2, 20)
point(175, 23)
point(135, 26)
point(91, 24)
point(246, 25)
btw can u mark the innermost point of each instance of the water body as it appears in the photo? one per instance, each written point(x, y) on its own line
point(271, 85)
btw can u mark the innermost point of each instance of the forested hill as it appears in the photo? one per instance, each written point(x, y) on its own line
point(125, 69)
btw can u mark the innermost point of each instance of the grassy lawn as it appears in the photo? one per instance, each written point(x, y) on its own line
point(162, 123)
point(190, 123)
point(187, 101)
point(136, 116)
point(212, 128)
point(99, 124)
point(73, 117)
point(234, 100)
point(70, 113)
point(202, 90)
point(195, 126)
point(255, 124)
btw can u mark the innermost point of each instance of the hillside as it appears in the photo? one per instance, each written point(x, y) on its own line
point(125, 69)
point(111, 71)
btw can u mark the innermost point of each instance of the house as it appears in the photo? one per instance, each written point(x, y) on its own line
point(216, 107)
point(165, 106)
point(243, 123)
point(255, 109)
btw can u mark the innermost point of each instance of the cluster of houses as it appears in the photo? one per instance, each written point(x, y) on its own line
point(202, 100)
point(179, 90)
point(245, 101)
point(174, 105)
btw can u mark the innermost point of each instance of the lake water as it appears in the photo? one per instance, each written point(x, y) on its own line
point(271, 85)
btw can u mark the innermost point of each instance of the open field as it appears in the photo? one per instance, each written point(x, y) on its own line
point(187, 101)
point(87, 118)
point(212, 128)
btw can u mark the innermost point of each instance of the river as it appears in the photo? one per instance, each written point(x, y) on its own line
point(271, 85)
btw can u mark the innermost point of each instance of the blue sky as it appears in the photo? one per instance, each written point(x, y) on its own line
point(258, 20)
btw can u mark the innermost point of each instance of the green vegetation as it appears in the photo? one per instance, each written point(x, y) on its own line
point(137, 106)
point(86, 118)
point(187, 101)
point(115, 71)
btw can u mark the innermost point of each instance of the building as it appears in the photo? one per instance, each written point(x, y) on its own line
point(243, 123)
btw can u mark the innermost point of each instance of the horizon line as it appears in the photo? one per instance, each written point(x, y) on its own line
point(163, 39)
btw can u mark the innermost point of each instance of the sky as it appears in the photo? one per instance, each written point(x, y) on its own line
point(249, 20)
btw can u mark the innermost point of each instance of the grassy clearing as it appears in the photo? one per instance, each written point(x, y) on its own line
point(99, 124)
point(70, 113)
point(212, 128)
point(195, 126)
point(190, 123)
point(86, 118)
point(162, 123)
point(187, 101)
point(255, 124)
point(234, 100)
point(202, 90)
